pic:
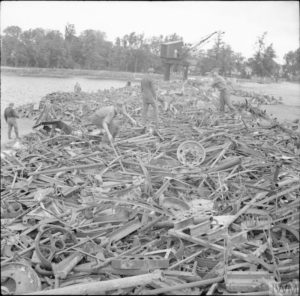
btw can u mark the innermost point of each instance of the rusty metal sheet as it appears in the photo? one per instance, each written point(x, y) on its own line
point(140, 262)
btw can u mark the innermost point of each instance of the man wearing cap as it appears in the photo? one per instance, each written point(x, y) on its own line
point(220, 83)
point(77, 88)
point(105, 118)
point(10, 116)
point(148, 96)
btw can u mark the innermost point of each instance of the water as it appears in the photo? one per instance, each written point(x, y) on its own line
point(290, 92)
point(24, 89)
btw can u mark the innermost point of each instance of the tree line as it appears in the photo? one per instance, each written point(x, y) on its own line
point(133, 53)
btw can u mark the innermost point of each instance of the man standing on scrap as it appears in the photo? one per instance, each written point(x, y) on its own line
point(220, 83)
point(10, 116)
point(77, 88)
point(148, 96)
point(104, 118)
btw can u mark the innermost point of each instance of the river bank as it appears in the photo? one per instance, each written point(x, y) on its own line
point(22, 90)
point(25, 127)
point(67, 73)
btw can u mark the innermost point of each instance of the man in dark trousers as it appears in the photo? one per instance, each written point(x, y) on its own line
point(220, 83)
point(148, 96)
point(77, 88)
point(10, 116)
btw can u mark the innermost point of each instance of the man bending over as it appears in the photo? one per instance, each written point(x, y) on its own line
point(105, 118)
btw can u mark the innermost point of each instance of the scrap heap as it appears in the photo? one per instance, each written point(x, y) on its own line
point(207, 204)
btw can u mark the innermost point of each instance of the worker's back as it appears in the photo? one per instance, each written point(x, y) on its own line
point(104, 114)
point(220, 82)
point(9, 112)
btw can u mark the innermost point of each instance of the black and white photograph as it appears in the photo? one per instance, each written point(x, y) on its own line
point(150, 147)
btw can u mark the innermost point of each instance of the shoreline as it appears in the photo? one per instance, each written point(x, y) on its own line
point(24, 126)
point(102, 74)
point(69, 73)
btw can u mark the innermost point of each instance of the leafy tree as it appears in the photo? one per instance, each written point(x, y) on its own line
point(40, 47)
point(94, 49)
point(131, 52)
point(173, 37)
point(11, 46)
point(263, 63)
point(222, 56)
point(292, 63)
point(54, 46)
point(73, 56)
point(13, 31)
point(70, 32)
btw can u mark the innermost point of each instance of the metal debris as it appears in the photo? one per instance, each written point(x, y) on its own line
point(144, 216)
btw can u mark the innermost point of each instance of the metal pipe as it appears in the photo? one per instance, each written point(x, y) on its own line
point(185, 286)
point(77, 167)
point(100, 287)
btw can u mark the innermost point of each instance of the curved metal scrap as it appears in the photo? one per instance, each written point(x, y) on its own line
point(191, 153)
point(19, 278)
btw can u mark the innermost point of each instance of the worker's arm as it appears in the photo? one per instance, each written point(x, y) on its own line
point(52, 111)
point(107, 131)
point(215, 84)
point(230, 85)
point(91, 120)
point(109, 116)
point(14, 113)
point(124, 112)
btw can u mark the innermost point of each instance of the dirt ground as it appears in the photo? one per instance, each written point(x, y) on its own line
point(25, 127)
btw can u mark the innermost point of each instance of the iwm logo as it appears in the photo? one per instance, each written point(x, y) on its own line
point(289, 289)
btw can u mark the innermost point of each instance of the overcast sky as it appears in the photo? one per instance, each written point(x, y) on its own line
point(242, 21)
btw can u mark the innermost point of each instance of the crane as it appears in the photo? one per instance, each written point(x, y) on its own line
point(173, 53)
point(203, 40)
point(193, 49)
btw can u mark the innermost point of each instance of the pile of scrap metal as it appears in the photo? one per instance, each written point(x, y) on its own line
point(257, 99)
point(207, 204)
